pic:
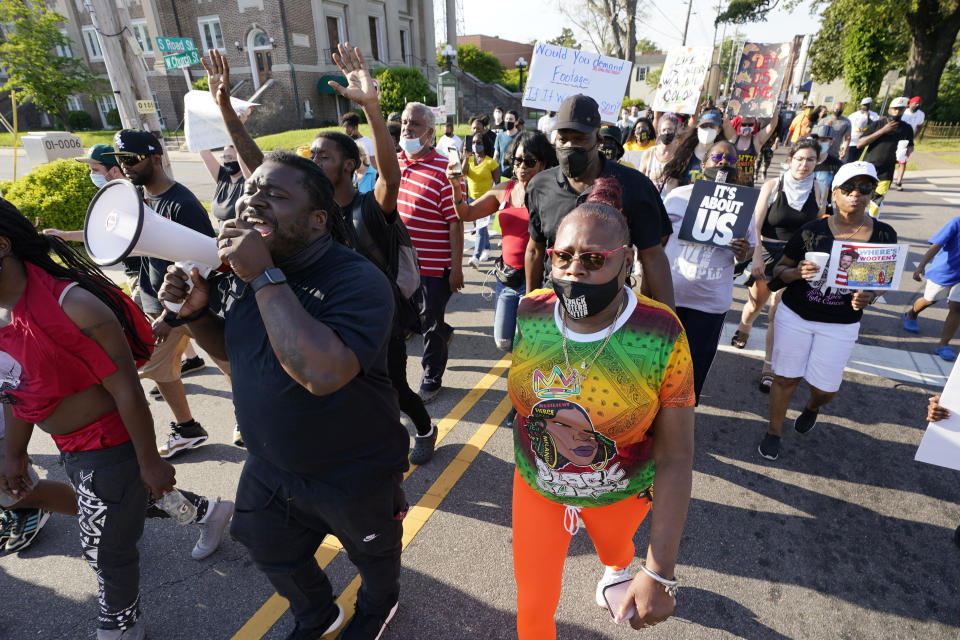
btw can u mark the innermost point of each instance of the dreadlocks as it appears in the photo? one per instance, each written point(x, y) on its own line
point(36, 248)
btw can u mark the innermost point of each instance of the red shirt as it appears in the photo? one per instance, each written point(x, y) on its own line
point(425, 204)
point(515, 229)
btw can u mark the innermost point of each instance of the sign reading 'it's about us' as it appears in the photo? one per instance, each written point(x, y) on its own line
point(559, 72)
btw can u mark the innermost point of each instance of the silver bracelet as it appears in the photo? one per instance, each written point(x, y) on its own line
point(670, 586)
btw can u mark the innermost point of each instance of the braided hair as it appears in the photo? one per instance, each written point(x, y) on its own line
point(70, 264)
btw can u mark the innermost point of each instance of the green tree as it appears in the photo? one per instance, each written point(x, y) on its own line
point(863, 39)
point(472, 59)
point(645, 45)
point(653, 77)
point(29, 53)
point(611, 25)
point(400, 85)
point(565, 39)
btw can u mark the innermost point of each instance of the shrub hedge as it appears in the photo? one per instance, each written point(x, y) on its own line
point(57, 193)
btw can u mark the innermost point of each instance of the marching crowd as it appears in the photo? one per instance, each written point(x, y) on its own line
point(613, 323)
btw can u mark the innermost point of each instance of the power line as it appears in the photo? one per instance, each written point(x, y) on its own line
point(678, 29)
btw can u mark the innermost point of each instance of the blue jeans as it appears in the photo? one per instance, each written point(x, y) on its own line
point(432, 298)
point(482, 242)
point(505, 315)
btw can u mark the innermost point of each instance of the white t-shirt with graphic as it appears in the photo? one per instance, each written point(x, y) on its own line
point(859, 121)
point(702, 274)
point(914, 118)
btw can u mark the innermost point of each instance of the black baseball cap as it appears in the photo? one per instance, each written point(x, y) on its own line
point(580, 113)
point(135, 142)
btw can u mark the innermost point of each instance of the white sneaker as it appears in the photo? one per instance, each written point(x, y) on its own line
point(211, 531)
point(484, 255)
point(473, 262)
point(610, 576)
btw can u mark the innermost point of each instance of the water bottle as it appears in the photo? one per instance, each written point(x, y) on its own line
point(177, 506)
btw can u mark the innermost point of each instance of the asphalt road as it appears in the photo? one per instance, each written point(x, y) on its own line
point(844, 537)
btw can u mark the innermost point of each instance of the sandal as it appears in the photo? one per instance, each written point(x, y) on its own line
point(766, 381)
point(739, 339)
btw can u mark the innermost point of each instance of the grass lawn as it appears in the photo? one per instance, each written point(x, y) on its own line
point(87, 138)
point(934, 145)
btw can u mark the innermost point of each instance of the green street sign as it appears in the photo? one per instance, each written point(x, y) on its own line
point(174, 45)
point(180, 60)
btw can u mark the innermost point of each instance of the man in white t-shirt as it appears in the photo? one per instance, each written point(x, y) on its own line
point(449, 139)
point(351, 126)
point(546, 123)
point(914, 117)
point(859, 121)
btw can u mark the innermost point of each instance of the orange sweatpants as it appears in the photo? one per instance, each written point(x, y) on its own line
point(540, 543)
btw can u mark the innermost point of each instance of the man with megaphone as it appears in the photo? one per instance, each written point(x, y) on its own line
point(140, 156)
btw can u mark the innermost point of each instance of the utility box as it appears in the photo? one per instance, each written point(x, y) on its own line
point(45, 146)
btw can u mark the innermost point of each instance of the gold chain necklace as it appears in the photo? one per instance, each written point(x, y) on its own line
point(863, 221)
point(584, 367)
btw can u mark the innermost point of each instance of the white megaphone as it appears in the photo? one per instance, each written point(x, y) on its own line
point(119, 224)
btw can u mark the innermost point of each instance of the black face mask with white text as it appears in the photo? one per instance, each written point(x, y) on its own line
point(583, 299)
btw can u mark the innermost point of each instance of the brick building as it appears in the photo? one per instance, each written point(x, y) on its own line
point(280, 46)
point(506, 51)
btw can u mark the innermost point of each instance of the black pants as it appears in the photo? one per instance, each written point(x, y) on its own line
point(111, 506)
point(282, 518)
point(410, 402)
point(432, 299)
point(703, 334)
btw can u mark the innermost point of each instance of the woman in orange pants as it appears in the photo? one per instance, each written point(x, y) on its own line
point(603, 386)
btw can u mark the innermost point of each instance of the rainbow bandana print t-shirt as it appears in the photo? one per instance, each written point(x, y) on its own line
point(581, 437)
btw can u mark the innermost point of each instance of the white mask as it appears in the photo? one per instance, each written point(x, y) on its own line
point(98, 179)
point(411, 146)
point(706, 135)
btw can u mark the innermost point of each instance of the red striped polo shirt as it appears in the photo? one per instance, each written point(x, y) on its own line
point(425, 204)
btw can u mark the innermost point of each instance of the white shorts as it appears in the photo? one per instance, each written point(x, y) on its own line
point(7, 501)
point(814, 351)
point(933, 292)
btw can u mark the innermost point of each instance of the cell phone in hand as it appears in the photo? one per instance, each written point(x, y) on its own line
point(454, 156)
point(614, 595)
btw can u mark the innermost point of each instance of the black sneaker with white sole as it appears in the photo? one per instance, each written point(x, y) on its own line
point(183, 437)
point(189, 365)
point(364, 626)
point(25, 527)
point(806, 421)
point(770, 447)
point(332, 624)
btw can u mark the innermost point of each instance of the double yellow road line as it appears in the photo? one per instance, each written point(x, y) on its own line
point(267, 615)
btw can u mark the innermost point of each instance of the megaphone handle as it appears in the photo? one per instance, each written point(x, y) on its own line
point(188, 267)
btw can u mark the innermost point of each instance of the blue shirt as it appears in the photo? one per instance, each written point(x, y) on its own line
point(368, 180)
point(944, 269)
point(503, 142)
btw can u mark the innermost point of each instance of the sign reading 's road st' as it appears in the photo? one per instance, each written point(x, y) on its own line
point(175, 45)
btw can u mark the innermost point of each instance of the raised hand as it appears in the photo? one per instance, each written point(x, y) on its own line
point(218, 76)
point(360, 86)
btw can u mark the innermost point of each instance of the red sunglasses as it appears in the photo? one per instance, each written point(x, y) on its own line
point(591, 260)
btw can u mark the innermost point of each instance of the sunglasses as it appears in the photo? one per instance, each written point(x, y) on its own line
point(865, 188)
point(717, 157)
point(131, 159)
point(590, 260)
point(528, 161)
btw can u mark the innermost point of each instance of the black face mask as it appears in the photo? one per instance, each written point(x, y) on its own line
point(232, 167)
point(643, 135)
point(574, 161)
point(509, 125)
point(838, 112)
point(666, 138)
point(582, 299)
point(728, 174)
point(610, 152)
point(864, 108)
point(896, 118)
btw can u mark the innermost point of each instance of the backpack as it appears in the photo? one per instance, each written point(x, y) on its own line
point(394, 255)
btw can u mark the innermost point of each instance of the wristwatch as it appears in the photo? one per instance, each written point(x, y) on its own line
point(270, 276)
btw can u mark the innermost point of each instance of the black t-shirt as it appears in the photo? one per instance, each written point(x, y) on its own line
point(225, 197)
point(882, 152)
point(819, 303)
point(550, 197)
point(179, 205)
point(350, 439)
point(377, 224)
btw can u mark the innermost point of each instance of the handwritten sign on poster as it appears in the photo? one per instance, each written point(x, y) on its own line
point(681, 80)
point(864, 265)
point(717, 213)
point(559, 72)
point(759, 77)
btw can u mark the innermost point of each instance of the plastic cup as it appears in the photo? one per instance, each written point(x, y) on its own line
point(820, 259)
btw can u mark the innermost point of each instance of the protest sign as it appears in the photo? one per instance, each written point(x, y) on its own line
point(941, 441)
point(717, 213)
point(559, 72)
point(756, 86)
point(203, 125)
point(439, 113)
point(681, 79)
point(864, 265)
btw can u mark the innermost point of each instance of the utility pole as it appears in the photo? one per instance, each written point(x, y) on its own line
point(126, 73)
point(686, 25)
point(715, 59)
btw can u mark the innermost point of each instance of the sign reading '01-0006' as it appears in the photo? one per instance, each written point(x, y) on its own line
point(559, 72)
point(756, 87)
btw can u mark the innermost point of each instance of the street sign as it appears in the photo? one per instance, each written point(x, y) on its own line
point(891, 78)
point(180, 60)
point(146, 106)
point(174, 45)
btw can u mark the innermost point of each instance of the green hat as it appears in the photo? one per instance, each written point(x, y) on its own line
point(98, 153)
